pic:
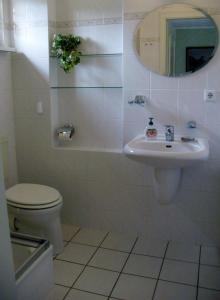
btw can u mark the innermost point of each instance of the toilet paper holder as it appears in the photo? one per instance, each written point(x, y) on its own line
point(65, 132)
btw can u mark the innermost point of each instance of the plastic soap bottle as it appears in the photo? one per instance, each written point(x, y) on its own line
point(150, 130)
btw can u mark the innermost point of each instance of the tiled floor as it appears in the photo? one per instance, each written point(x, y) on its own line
point(97, 265)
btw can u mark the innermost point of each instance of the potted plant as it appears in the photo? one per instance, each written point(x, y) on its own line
point(65, 48)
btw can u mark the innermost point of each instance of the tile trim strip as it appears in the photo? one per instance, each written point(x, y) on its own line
point(82, 23)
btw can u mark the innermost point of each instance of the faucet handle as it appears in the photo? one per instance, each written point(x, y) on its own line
point(169, 133)
point(191, 124)
point(169, 128)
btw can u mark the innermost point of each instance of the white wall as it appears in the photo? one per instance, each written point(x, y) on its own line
point(7, 114)
point(107, 190)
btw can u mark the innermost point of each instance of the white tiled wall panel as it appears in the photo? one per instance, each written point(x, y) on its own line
point(7, 115)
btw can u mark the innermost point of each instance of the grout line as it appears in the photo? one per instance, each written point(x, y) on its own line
point(67, 242)
point(208, 265)
point(71, 262)
point(160, 270)
point(125, 273)
point(59, 284)
point(121, 272)
point(87, 264)
point(182, 261)
point(138, 254)
point(75, 234)
point(88, 292)
point(209, 289)
point(66, 294)
point(122, 251)
point(84, 244)
point(197, 285)
point(147, 255)
point(135, 242)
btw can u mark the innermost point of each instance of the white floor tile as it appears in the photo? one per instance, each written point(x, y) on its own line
point(66, 273)
point(174, 291)
point(205, 294)
point(150, 247)
point(90, 237)
point(143, 266)
point(58, 293)
point(210, 256)
point(77, 253)
point(69, 231)
point(184, 252)
point(96, 281)
point(79, 295)
point(119, 242)
point(180, 272)
point(209, 277)
point(131, 287)
point(109, 259)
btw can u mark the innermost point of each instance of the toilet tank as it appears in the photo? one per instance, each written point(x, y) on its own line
point(4, 156)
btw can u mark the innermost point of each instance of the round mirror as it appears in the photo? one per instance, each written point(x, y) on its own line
point(176, 40)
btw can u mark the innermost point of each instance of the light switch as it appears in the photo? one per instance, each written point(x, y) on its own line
point(210, 96)
point(39, 108)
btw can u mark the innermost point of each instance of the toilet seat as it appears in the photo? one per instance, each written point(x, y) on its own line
point(33, 196)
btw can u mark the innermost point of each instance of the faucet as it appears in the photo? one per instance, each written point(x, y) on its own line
point(169, 133)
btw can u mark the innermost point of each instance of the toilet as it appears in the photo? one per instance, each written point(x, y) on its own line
point(35, 209)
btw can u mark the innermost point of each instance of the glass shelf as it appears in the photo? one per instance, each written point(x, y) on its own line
point(86, 87)
point(7, 50)
point(96, 55)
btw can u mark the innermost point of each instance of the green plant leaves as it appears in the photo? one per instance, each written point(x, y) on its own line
point(65, 48)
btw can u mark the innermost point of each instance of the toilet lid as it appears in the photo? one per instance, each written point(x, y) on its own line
point(32, 194)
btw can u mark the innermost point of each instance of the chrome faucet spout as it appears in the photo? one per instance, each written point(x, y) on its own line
point(169, 133)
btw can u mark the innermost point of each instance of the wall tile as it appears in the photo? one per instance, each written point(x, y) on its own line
point(192, 106)
point(136, 76)
point(159, 82)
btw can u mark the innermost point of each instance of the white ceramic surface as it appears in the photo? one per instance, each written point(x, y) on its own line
point(37, 281)
point(168, 159)
point(160, 153)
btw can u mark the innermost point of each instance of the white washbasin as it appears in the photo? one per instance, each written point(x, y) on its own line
point(162, 154)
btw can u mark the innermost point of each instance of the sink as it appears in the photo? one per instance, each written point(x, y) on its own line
point(160, 153)
point(168, 159)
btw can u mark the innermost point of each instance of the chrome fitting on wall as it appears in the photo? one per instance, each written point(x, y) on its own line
point(139, 100)
point(191, 124)
point(66, 132)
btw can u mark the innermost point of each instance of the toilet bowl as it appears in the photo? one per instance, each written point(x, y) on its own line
point(35, 209)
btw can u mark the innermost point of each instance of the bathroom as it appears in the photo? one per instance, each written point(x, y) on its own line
point(125, 235)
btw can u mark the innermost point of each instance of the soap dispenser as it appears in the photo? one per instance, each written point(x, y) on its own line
point(150, 130)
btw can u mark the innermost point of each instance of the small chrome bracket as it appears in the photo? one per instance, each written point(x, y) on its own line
point(66, 132)
point(139, 100)
point(192, 124)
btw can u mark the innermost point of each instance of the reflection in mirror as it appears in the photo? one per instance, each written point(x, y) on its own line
point(176, 40)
